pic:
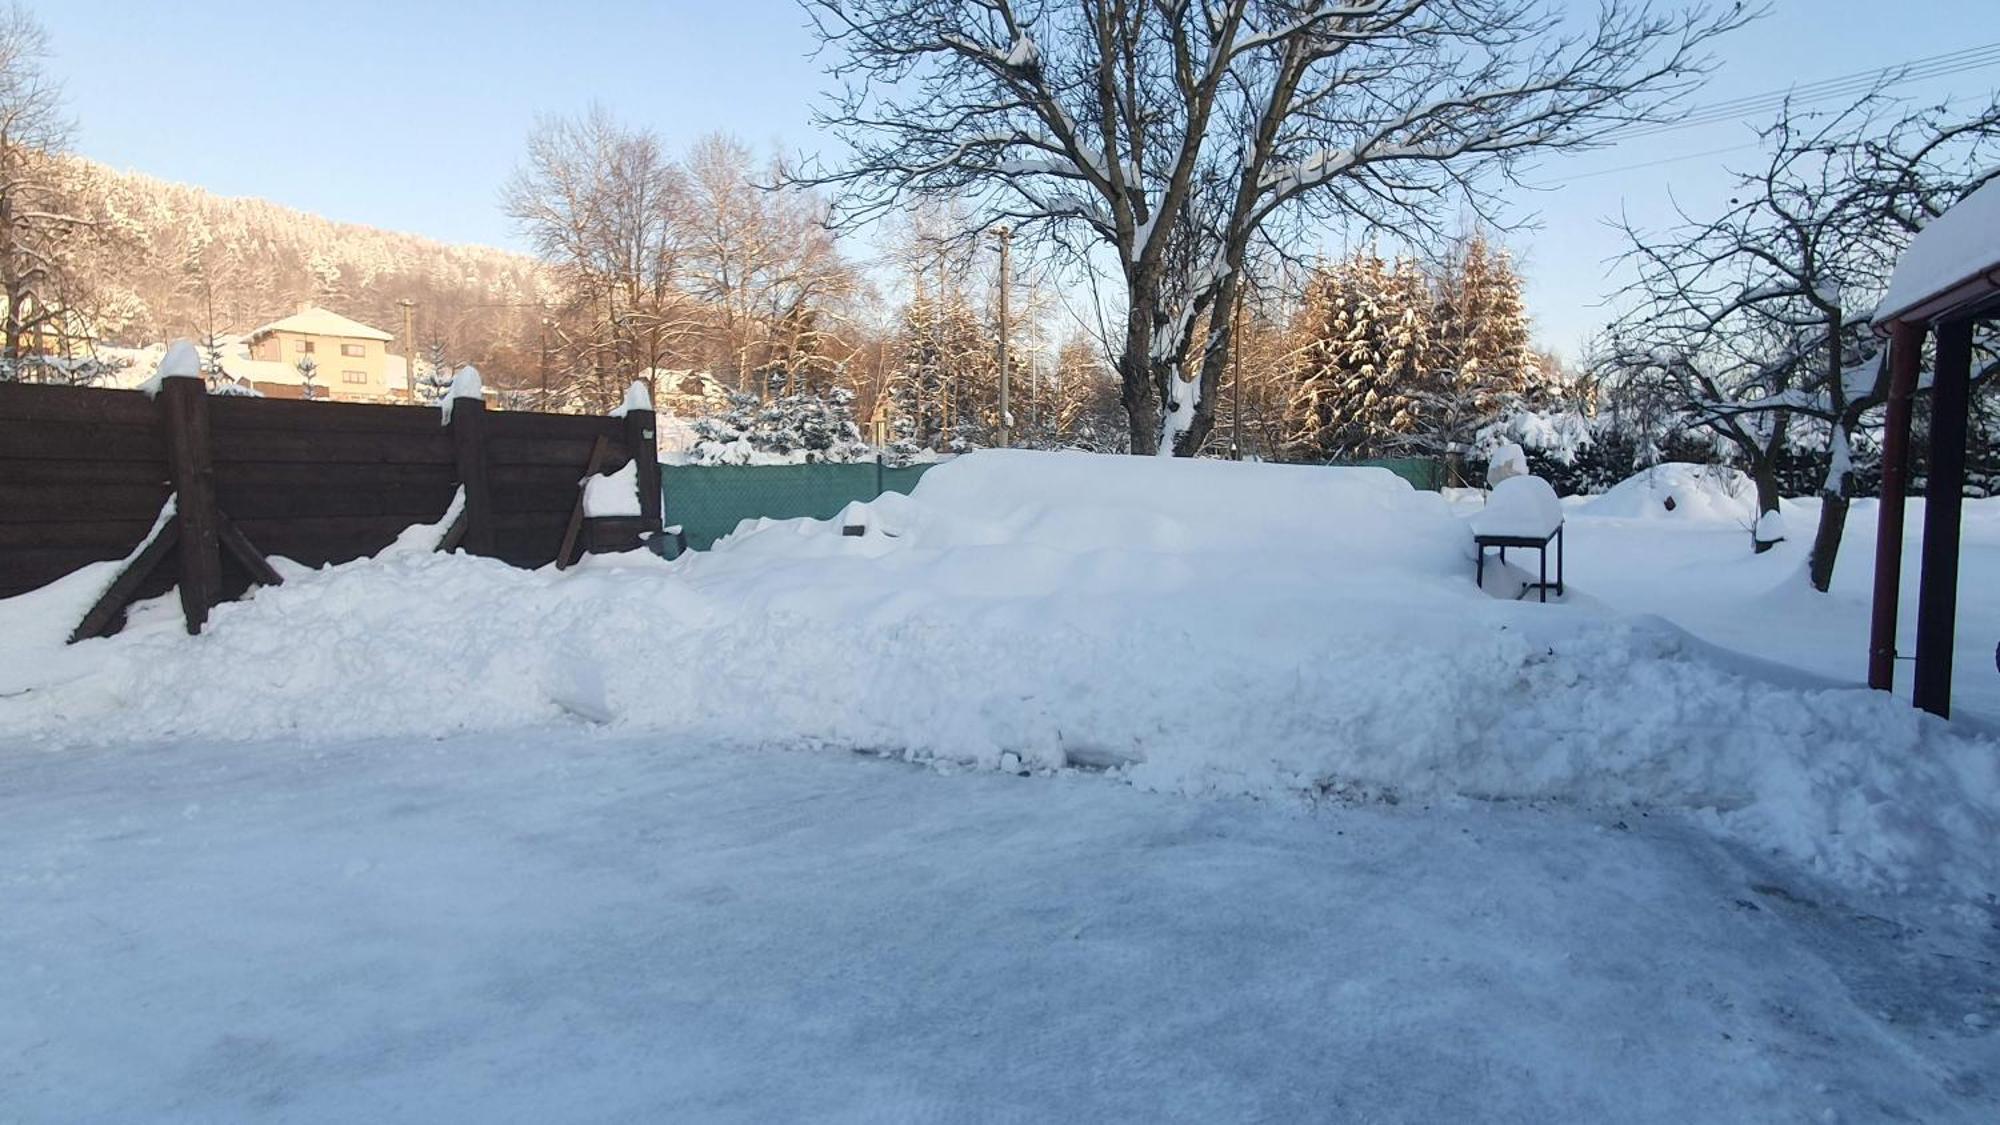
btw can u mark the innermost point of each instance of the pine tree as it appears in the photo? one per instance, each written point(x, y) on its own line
point(1481, 365)
point(430, 386)
point(1361, 337)
point(308, 369)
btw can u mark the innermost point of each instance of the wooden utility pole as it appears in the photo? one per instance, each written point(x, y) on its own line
point(1006, 281)
point(409, 347)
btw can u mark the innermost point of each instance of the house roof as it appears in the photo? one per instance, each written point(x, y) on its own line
point(315, 321)
point(1951, 266)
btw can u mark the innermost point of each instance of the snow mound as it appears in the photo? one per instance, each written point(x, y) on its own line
point(1510, 460)
point(1087, 502)
point(1520, 506)
point(1195, 627)
point(1675, 490)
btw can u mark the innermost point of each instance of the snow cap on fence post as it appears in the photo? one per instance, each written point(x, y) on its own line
point(637, 397)
point(465, 384)
point(182, 361)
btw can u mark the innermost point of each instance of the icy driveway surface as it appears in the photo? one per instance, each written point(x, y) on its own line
point(555, 926)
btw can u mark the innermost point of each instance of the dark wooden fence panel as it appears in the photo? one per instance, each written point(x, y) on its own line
point(83, 474)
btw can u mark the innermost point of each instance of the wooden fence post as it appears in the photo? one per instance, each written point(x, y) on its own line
point(468, 443)
point(644, 447)
point(184, 420)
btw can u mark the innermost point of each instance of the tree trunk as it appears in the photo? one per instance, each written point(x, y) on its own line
point(1826, 539)
point(1135, 377)
point(1833, 496)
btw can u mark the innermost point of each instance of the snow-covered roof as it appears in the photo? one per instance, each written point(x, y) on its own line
point(315, 321)
point(1950, 264)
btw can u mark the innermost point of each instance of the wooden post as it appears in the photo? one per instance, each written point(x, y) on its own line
point(184, 418)
point(644, 446)
point(1906, 346)
point(468, 443)
point(1944, 496)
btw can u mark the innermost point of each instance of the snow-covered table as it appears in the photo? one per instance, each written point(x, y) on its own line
point(1521, 512)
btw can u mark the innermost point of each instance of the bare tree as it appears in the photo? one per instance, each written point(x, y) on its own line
point(40, 290)
point(1178, 135)
point(600, 201)
point(764, 263)
point(1755, 322)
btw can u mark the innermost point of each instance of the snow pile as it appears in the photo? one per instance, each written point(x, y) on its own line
point(1712, 493)
point(1520, 506)
point(1206, 627)
point(1956, 246)
point(614, 493)
point(1509, 460)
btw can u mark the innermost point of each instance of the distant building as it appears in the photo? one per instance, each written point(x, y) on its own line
point(352, 360)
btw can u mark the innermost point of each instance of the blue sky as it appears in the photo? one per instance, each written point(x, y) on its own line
point(424, 118)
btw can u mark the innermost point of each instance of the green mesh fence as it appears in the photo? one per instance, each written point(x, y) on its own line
point(708, 501)
point(1423, 473)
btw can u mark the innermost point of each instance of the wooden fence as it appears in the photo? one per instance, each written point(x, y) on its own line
point(85, 472)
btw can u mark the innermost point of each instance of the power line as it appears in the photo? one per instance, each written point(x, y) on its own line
point(1753, 105)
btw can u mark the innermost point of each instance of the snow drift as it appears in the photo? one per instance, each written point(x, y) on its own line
point(1203, 626)
point(1712, 493)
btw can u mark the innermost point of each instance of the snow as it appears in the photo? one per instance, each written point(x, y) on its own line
point(312, 320)
point(1698, 492)
point(464, 384)
point(1520, 506)
point(428, 836)
point(1509, 460)
point(181, 361)
point(1770, 527)
point(637, 397)
point(614, 493)
point(1031, 606)
point(571, 923)
point(1955, 247)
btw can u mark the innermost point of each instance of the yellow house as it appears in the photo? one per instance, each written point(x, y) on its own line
point(352, 360)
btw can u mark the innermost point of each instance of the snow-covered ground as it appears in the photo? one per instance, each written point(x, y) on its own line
point(425, 834)
point(566, 925)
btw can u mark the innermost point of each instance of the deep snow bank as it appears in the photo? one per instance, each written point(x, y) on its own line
point(1216, 627)
point(1698, 492)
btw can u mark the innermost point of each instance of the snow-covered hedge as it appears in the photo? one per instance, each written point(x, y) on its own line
point(793, 429)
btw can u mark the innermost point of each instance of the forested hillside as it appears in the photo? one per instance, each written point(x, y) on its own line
point(175, 260)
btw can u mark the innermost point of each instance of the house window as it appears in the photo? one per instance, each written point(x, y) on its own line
point(354, 376)
point(305, 346)
point(353, 349)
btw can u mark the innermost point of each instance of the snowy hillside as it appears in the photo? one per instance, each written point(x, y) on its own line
point(174, 258)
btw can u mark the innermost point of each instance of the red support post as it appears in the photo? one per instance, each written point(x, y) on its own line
point(1944, 500)
point(1906, 347)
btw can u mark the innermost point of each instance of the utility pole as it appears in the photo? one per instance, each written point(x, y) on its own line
point(409, 346)
point(1006, 282)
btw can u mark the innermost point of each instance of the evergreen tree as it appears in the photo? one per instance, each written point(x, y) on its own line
point(308, 369)
point(435, 378)
point(1481, 365)
point(1361, 339)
